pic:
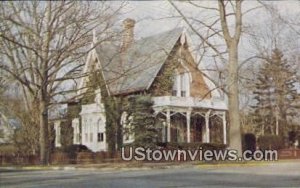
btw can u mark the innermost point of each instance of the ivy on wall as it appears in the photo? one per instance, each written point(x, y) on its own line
point(113, 110)
point(163, 83)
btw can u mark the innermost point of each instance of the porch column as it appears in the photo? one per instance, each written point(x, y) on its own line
point(163, 136)
point(188, 125)
point(207, 126)
point(57, 129)
point(168, 125)
point(224, 128)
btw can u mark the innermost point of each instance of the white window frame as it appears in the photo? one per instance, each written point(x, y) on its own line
point(178, 83)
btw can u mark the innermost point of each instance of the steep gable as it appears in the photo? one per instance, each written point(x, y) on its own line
point(142, 65)
point(135, 69)
point(180, 60)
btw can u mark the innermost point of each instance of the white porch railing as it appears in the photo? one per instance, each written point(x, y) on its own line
point(214, 103)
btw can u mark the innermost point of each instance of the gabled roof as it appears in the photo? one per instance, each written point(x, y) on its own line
point(135, 69)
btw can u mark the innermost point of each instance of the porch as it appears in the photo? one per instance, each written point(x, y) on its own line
point(188, 119)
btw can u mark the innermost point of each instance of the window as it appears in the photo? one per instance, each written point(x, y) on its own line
point(91, 137)
point(183, 94)
point(184, 82)
point(175, 86)
point(174, 92)
point(181, 85)
point(86, 137)
point(100, 137)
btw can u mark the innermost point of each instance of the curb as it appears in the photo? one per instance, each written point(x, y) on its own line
point(146, 166)
point(116, 168)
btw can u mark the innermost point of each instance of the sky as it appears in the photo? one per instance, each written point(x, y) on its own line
point(154, 16)
point(158, 16)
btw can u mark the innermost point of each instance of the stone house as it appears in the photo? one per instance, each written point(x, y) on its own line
point(192, 108)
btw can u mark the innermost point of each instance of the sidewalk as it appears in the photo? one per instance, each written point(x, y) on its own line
point(126, 166)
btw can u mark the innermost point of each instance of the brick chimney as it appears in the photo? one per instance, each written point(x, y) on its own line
point(128, 33)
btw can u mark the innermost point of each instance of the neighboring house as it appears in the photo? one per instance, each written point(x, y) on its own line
point(8, 127)
point(193, 110)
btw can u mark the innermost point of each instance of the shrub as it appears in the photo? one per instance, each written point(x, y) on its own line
point(292, 137)
point(273, 142)
point(72, 150)
point(249, 142)
point(196, 145)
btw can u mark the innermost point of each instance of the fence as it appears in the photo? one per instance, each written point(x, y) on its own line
point(289, 154)
point(61, 158)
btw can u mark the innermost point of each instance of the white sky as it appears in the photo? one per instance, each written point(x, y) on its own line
point(152, 16)
point(158, 16)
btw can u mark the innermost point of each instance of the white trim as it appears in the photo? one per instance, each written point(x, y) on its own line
point(188, 124)
point(168, 125)
point(101, 68)
point(76, 131)
point(224, 128)
point(58, 135)
point(88, 63)
point(207, 131)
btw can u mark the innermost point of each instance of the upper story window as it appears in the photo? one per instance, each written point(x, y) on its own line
point(175, 86)
point(181, 85)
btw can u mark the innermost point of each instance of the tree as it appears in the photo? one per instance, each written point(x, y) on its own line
point(25, 137)
point(42, 46)
point(231, 36)
point(275, 94)
point(113, 111)
point(142, 121)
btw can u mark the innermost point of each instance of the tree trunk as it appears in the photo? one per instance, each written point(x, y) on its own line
point(44, 141)
point(233, 100)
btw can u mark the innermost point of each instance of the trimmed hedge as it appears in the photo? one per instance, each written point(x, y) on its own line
point(193, 146)
point(272, 142)
point(185, 146)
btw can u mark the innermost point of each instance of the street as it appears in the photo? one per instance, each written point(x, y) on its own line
point(281, 174)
